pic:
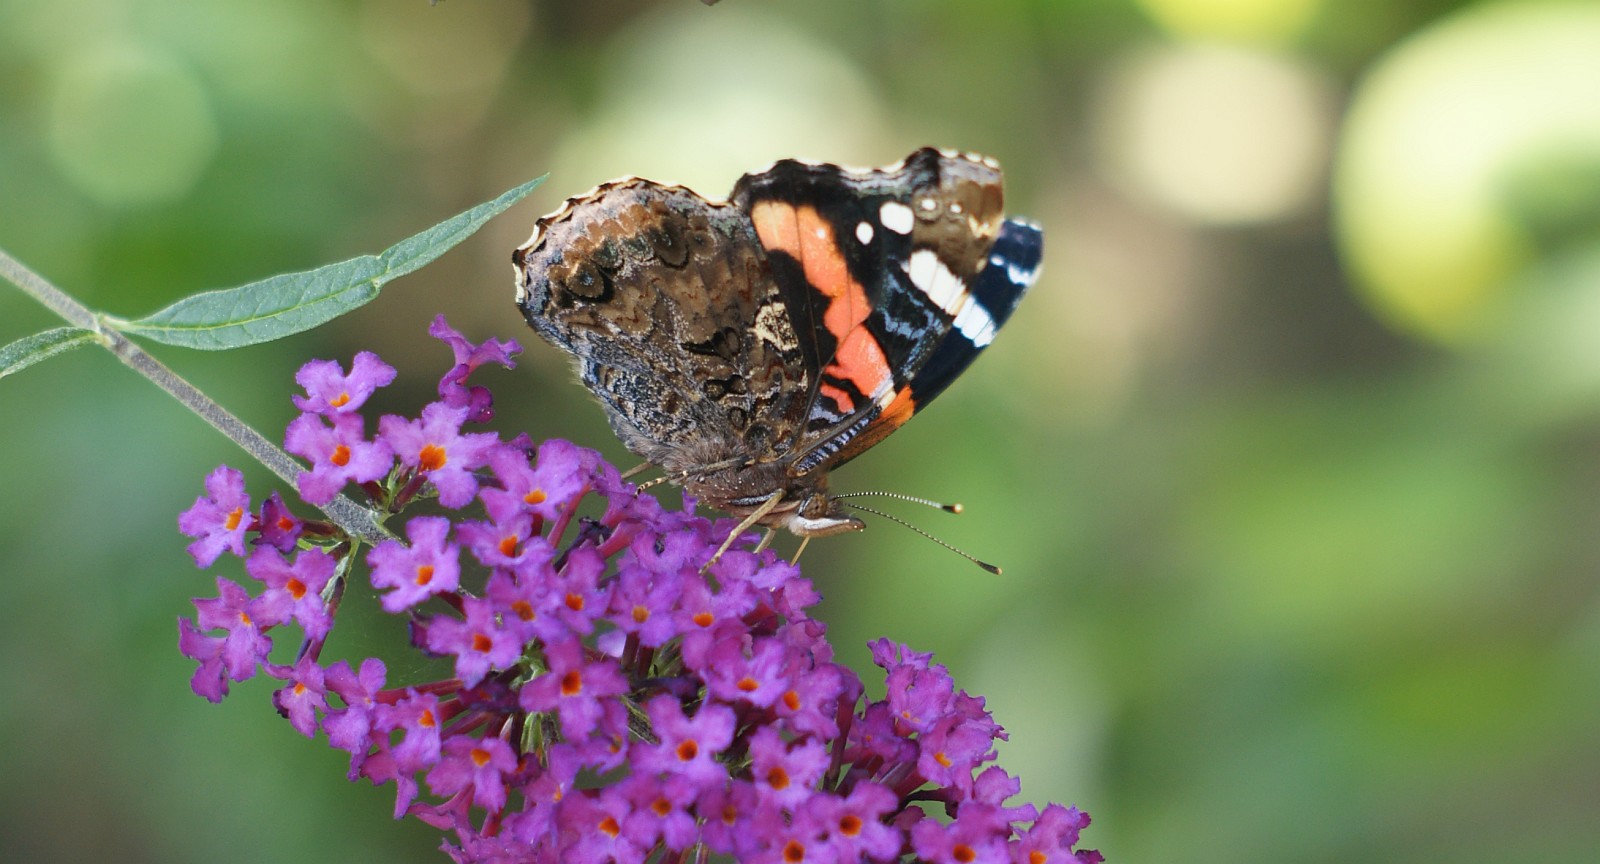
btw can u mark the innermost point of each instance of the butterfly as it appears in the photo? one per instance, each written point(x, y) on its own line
point(748, 347)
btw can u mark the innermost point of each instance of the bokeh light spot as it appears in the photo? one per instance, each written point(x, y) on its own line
point(669, 116)
point(130, 126)
point(1439, 139)
point(1215, 134)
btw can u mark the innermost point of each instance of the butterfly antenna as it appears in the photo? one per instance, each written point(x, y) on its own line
point(898, 521)
point(928, 502)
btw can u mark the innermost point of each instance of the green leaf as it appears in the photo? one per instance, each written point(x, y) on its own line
point(286, 304)
point(29, 350)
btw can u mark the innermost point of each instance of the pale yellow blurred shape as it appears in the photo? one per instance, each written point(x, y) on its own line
point(1273, 21)
point(441, 50)
point(699, 99)
point(129, 124)
point(1432, 138)
point(1216, 134)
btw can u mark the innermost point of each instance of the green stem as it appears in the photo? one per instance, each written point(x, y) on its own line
point(347, 514)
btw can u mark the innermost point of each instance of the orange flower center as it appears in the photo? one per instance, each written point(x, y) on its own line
point(479, 756)
point(340, 400)
point(963, 853)
point(431, 458)
point(687, 750)
point(537, 496)
point(571, 683)
point(424, 574)
point(234, 518)
point(341, 456)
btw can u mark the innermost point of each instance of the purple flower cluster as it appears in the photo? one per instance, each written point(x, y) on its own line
point(613, 698)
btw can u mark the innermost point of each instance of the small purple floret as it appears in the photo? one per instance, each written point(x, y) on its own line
point(452, 387)
point(339, 454)
point(330, 392)
point(430, 565)
point(436, 448)
point(219, 519)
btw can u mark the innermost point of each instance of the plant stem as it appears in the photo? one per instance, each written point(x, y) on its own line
point(347, 514)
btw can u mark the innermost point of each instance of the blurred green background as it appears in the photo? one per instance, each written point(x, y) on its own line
point(1292, 459)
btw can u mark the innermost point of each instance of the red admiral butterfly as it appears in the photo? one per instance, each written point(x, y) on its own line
point(750, 347)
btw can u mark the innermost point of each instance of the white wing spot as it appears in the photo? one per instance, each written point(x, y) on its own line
point(822, 233)
point(928, 204)
point(955, 206)
point(974, 322)
point(864, 232)
point(1022, 275)
point(932, 278)
point(896, 217)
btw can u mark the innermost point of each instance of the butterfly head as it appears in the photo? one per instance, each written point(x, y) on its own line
point(821, 515)
point(804, 507)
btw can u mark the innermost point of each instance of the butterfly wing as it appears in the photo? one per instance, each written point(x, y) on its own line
point(1010, 269)
point(883, 273)
point(668, 307)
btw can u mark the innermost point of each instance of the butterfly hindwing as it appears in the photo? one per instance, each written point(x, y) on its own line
point(666, 304)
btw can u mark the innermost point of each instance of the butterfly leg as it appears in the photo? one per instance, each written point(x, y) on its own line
point(804, 541)
point(766, 540)
point(761, 510)
point(637, 469)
